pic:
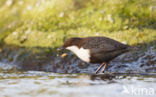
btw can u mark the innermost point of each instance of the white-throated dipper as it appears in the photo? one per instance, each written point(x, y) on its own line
point(95, 49)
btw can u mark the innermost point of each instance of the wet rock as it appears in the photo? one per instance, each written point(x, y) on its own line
point(82, 65)
point(136, 63)
point(45, 59)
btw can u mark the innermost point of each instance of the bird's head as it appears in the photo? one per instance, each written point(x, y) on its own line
point(69, 43)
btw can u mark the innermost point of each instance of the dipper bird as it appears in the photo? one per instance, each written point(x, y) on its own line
point(95, 49)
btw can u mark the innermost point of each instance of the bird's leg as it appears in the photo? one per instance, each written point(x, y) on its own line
point(105, 65)
point(100, 67)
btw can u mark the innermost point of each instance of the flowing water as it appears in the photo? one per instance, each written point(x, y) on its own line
point(45, 84)
point(129, 75)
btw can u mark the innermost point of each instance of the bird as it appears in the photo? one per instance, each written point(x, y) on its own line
point(97, 49)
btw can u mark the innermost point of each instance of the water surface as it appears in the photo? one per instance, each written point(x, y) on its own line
point(47, 84)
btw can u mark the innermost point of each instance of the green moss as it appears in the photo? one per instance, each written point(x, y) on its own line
point(48, 23)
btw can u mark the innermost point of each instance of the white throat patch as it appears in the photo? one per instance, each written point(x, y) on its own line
point(83, 54)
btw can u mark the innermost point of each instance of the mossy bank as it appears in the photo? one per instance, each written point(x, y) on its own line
point(48, 23)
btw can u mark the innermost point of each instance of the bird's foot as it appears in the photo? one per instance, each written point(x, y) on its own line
point(102, 65)
point(99, 68)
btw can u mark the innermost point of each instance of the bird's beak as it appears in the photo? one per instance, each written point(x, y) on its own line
point(60, 49)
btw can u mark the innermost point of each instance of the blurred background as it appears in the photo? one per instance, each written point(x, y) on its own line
point(31, 30)
point(47, 23)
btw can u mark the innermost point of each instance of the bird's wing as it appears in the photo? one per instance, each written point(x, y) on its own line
point(103, 44)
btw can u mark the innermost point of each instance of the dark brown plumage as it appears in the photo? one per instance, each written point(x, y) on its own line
point(101, 49)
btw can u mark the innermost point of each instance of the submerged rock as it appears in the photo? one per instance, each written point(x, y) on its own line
point(45, 59)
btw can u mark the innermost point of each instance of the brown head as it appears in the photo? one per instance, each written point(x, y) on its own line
point(71, 42)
